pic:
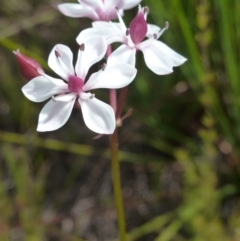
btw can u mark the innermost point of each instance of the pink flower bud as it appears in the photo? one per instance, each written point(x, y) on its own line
point(138, 28)
point(28, 66)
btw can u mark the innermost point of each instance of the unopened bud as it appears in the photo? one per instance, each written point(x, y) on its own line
point(28, 66)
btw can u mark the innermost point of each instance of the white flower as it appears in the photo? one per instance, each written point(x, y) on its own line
point(96, 9)
point(98, 116)
point(158, 56)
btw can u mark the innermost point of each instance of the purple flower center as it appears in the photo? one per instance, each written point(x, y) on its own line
point(138, 28)
point(75, 84)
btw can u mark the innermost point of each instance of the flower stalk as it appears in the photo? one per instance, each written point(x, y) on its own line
point(115, 169)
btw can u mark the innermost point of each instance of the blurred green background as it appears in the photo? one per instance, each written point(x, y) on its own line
point(179, 149)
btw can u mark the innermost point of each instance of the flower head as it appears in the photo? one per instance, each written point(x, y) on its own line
point(158, 56)
point(96, 9)
point(28, 66)
point(98, 116)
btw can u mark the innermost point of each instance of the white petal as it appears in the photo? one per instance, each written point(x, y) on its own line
point(123, 54)
point(176, 58)
point(113, 77)
point(41, 88)
point(98, 116)
point(54, 115)
point(160, 58)
point(127, 4)
point(110, 31)
point(94, 50)
point(75, 10)
point(152, 29)
point(112, 4)
point(62, 64)
point(92, 3)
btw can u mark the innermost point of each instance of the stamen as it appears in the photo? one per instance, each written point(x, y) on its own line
point(166, 25)
point(92, 96)
point(57, 54)
point(163, 30)
point(127, 31)
point(82, 47)
point(40, 71)
point(155, 36)
point(122, 24)
point(104, 65)
point(146, 10)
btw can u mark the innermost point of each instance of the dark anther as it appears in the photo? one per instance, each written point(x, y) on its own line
point(57, 54)
point(103, 66)
point(127, 31)
point(82, 47)
point(155, 36)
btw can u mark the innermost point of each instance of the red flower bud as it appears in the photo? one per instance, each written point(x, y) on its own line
point(28, 66)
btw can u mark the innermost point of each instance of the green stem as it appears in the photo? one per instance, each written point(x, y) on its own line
point(113, 139)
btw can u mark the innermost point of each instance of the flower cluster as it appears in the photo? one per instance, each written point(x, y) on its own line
point(76, 83)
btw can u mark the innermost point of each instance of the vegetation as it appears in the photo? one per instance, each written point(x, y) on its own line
point(179, 149)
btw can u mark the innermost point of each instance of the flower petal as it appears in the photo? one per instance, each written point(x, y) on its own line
point(75, 10)
point(60, 61)
point(160, 58)
point(176, 58)
point(112, 77)
point(92, 3)
point(94, 50)
point(54, 115)
point(123, 54)
point(127, 4)
point(110, 31)
point(98, 116)
point(41, 88)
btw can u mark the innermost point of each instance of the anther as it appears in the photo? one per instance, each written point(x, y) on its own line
point(40, 71)
point(166, 25)
point(155, 36)
point(82, 47)
point(127, 31)
point(104, 65)
point(92, 96)
point(146, 10)
point(57, 54)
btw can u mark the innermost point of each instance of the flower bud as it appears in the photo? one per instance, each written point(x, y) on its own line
point(28, 66)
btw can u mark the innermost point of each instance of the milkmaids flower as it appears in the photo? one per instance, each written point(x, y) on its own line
point(158, 56)
point(96, 9)
point(98, 116)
